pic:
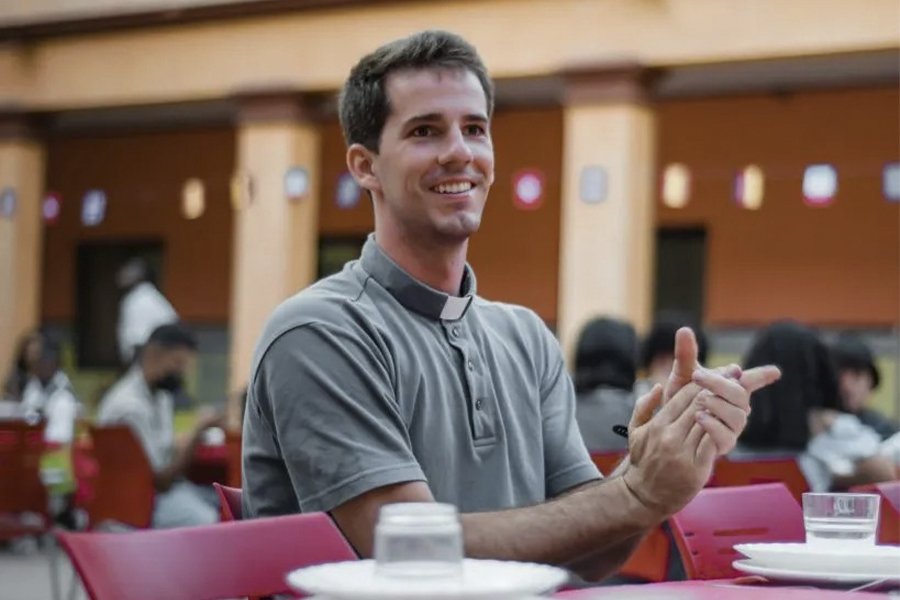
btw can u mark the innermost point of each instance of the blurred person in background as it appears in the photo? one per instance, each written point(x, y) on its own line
point(143, 400)
point(859, 378)
point(142, 309)
point(24, 366)
point(605, 371)
point(48, 394)
point(802, 414)
point(658, 349)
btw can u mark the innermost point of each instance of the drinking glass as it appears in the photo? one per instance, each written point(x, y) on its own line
point(418, 539)
point(840, 519)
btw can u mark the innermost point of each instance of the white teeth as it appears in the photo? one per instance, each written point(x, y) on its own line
point(453, 188)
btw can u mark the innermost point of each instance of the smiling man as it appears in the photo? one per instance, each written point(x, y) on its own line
point(393, 381)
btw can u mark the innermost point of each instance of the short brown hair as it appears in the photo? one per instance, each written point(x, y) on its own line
point(364, 106)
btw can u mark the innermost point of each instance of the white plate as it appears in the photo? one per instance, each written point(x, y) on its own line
point(749, 566)
point(846, 558)
point(481, 580)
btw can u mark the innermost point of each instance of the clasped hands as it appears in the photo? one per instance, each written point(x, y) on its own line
point(701, 414)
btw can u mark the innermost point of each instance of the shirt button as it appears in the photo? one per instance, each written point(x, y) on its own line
point(471, 365)
point(479, 404)
point(455, 332)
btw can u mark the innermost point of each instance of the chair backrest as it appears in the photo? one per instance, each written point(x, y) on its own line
point(889, 513)
point(230, 501)
point(123, 490)
point(607, 461)
point(706, 530)
point(233, 447)
point(21, 448)
point(225, 560)
point(783, 469)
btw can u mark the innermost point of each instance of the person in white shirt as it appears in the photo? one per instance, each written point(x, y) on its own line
point(49, 395)
point(143, 308)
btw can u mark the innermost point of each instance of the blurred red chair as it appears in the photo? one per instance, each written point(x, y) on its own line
point(230, 502)
point(650, 560)
point(782, 469)
point(707, 529)
point(608, 461)
point(225, 560)
point(122, 490)
point(24, 502)
point(889, 513)
point(233, 447)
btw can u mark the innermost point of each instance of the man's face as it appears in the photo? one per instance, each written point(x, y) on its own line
point(435, 165)
point(168, 367)
point(856, 387)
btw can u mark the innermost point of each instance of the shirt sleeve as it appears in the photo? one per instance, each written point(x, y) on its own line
point(567, 463)
point(327, 394)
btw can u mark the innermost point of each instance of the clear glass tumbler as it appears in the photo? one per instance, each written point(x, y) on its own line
point(418, 539)
point(840, 518)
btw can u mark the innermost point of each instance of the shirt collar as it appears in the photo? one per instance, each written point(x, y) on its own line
point(412, 293)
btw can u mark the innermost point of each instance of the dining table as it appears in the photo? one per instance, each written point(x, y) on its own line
point(720, 589)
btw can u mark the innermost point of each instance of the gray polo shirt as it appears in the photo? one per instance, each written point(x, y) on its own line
point(370, 378)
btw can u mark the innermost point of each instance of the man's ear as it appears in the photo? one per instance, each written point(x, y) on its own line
point(361, 162)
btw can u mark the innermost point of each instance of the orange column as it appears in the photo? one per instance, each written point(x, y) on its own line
point(21, 178)
point(606, 249)
point(276, 238)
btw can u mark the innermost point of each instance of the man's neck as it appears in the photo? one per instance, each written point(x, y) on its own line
point(438, 266)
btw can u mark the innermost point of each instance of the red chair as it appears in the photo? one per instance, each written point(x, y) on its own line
point(24, 502)
point(123, 489)
point(707, 529)
point(225, 560)
point(608, 461)
point(781, 469)
point(230, 502)
point(889, 513)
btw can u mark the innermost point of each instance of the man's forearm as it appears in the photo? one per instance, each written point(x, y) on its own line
point(181, 459)
point(592, 529)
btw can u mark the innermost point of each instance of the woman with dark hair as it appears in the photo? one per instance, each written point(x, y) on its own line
point(605, 369)
point(802, 413)
point(28, 355)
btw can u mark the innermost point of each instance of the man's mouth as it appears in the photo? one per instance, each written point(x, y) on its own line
point(459, 187)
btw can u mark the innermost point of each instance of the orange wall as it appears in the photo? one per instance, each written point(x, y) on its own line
point(515, 254)
point(838, 265)
point(142, 175)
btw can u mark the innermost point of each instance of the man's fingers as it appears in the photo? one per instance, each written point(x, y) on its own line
point(644, 407)
point(685, 362)
point(694, 435)
point(759, 377)
point(723, 437)
point(678, 403)
point(728, 389)
point(706, 451)
point(733, 416)
point(687, 397)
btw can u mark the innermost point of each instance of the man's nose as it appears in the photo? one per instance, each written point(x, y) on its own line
point(457, 149)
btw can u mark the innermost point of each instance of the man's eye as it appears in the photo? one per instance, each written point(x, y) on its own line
point(475, 130)
point(423, 131)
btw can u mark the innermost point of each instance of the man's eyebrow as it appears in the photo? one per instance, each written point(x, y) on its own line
point(433, 117)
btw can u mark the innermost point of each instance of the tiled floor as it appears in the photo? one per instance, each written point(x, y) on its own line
point(25, 575)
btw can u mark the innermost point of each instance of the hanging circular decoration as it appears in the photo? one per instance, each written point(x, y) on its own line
point(193, 199)
point(820, 183)
point(593, 184)
point(51, 207)
point(749, 187)
point(296, 184)
point(528, 189)
point(676, 186)
point(93, 208)
point(348, 192)
point(8, 202)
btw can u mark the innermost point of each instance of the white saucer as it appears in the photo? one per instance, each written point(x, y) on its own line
point(844, 558)
point(753, 568)
point(480, 580)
